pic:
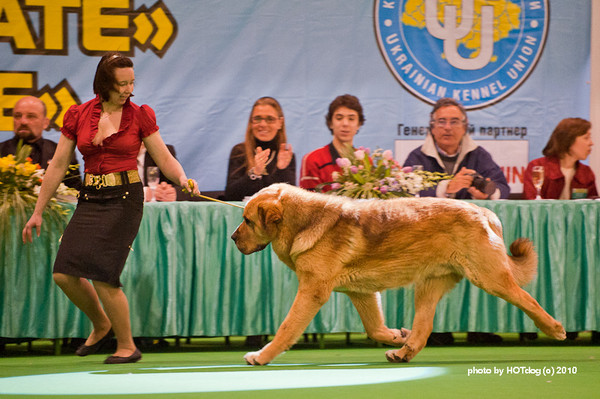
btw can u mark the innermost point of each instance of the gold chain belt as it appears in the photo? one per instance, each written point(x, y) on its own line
point(111, 179)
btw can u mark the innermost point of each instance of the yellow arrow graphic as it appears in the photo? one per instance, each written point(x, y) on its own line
point(143, 28)
point(165, 29)
point(156, 28)
point(58, 100)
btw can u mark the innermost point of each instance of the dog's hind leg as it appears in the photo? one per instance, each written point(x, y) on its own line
point(371, 314)
point(427, 295)
point(502, 284)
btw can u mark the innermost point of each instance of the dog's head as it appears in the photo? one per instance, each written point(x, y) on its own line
point(262, 216)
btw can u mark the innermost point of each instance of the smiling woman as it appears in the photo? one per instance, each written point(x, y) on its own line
point(265, 157)
point(108, 131)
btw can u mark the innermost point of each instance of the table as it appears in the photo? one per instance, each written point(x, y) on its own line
point(185, 277)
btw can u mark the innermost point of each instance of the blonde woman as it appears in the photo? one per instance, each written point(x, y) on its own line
point(265, 157)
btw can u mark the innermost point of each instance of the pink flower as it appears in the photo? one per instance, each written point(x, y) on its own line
point(384, 189)
point(353, 169)
point(335, 186)
point(407, 169)
point(343, 162)
point(387, 154)
point(359, 154)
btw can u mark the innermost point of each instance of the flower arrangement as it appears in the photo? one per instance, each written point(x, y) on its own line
point(20, 181)
point(378, 175)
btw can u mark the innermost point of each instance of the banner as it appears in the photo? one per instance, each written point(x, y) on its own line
point(519, 66)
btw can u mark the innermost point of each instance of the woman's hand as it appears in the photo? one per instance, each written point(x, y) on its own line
point(35, 222)
point(284, 156)
point(260, 160)
point(165, 192)
point(190, 185)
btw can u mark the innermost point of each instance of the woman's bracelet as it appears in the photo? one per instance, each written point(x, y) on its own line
point(253, 176)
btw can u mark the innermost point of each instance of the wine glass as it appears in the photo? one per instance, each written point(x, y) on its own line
point(537, 175)
point(152, 178)
point(417, 168)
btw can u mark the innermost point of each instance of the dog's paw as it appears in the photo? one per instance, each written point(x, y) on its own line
point(559, 333)
point(397, 337)
point(554, 330)
point(394, 356)
point(252, 358)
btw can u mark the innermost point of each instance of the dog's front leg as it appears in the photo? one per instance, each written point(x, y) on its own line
point(371, 313)
point(309, 299)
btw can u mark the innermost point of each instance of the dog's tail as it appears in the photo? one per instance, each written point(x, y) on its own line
point(524, 261)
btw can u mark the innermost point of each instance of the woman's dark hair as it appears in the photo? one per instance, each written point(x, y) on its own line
point(104, 81)
point(348, 101)
point(564, 136)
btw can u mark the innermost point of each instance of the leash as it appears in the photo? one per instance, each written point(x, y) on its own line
point(191, 191)
point(216, 200)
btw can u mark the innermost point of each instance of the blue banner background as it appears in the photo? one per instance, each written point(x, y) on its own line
point(304, 53)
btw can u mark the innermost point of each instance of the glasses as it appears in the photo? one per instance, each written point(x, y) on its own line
point(269, 119)
point(454, 122)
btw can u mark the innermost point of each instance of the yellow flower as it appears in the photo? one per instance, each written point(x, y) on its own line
point(7, 163)
point(25, 169)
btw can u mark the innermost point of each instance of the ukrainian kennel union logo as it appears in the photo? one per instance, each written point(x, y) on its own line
point(476, 51)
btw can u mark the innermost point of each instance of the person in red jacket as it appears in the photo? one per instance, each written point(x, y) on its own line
point(565, 177)
point(344, 118)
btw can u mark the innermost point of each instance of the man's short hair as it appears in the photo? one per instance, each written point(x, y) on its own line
point(448, 102)
point(348, 101)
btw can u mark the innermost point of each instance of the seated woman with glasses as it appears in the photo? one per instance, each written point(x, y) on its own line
point(449, 149)
point(265, 157)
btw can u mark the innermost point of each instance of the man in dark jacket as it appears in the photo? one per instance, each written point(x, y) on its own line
point(29, 122)
point(449, 149)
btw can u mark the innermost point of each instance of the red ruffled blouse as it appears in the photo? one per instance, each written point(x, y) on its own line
point(119, 151)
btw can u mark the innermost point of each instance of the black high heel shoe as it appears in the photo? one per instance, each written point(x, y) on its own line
point(85, 350)
point(134, 357)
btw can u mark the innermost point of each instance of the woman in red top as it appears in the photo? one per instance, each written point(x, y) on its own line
point(108, 131)
point(565, 177)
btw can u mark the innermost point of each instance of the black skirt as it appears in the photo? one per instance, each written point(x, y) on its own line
point(98, 238)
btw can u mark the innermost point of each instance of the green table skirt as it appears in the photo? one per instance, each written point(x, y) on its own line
point(185, 277)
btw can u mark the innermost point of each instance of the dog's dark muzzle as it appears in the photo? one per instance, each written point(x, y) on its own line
point(244, 248)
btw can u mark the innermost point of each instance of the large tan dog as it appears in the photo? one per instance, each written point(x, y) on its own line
point(363, 247)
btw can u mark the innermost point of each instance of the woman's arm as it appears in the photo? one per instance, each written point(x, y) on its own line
point(239, 184)
point(52, 178)
point(285, 175)
point(166, 161)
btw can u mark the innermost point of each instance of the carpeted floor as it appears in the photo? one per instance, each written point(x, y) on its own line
point(207, 368)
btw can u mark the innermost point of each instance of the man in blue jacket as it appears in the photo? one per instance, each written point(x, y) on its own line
point(449, 149)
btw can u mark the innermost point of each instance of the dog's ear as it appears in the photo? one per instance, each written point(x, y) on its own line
point(270, 212)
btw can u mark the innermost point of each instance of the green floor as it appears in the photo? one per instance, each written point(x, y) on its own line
point(340, 370)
